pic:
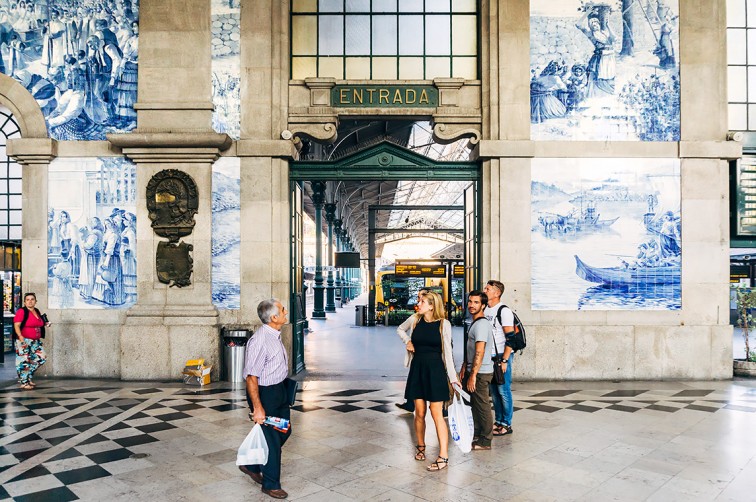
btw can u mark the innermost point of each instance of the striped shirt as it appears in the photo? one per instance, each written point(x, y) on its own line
point(266, 357)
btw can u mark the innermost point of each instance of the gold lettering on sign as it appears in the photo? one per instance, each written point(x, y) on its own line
point(407, 96)
point(357, 97)
point(398, 97)
point(370, 95)
point(383, 94)
point(424, 97)
point(343, 98)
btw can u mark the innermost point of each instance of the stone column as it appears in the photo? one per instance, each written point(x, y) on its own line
point(169, 325)
point(330, 292)
point(34, 155)
point(338, 282)
point(318, 199)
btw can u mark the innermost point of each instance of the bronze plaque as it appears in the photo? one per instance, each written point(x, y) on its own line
point(174, 263)
point(172, 202)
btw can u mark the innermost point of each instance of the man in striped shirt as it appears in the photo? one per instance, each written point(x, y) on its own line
point(265, 368)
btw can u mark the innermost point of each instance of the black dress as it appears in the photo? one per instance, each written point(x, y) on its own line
point(427, 379)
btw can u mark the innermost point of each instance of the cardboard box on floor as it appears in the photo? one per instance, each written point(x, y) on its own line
point(196, 373)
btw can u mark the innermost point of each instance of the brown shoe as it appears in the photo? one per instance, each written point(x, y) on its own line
point(256, 476)
point(276, 494)
point(476, 446)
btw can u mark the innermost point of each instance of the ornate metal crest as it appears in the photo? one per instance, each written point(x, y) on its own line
point(172, 202)
point(174, 263)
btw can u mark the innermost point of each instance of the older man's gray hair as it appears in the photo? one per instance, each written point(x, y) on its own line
point(266, 309)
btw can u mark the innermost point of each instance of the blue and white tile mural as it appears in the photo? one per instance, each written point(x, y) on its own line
point(604, 70)
point(91, 233)
point(226, 66)
point(605, 234)
point(226, 242)
point(78, 59)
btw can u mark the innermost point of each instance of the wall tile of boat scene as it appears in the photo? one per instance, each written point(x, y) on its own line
point(606, 234)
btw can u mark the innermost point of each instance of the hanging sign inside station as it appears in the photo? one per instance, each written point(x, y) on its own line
point(419, 270)
point(384, 96)
point(458, 271)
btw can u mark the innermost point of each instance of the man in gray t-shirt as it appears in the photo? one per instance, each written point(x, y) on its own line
point(477, 371)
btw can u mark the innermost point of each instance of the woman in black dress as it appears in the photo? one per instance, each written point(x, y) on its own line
point(427, 335)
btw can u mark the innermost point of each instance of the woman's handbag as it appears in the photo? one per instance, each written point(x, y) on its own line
point(254, 448)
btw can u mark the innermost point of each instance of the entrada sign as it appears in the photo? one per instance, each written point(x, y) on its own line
point(386, 96)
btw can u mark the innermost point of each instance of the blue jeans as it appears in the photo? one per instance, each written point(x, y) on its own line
point(502, 397)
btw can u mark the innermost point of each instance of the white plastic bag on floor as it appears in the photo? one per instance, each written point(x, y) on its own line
point(254, 449)
point(461, 424)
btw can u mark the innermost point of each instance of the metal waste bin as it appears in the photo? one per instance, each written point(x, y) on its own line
point(360, 315)
point(234, 345)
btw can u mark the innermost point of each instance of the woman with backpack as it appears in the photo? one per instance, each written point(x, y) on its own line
point(427, 335)
point(29, 329)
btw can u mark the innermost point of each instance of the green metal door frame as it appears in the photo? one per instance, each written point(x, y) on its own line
point(382, 162)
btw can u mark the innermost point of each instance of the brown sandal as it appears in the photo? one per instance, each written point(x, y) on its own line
point(26, 386)
point(420, 455)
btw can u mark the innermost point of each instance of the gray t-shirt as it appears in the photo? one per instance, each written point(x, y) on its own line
point(480, 331)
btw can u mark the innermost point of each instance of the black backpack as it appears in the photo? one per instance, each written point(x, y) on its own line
point(515, 339)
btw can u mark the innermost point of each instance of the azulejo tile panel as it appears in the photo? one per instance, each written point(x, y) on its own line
point(604, 70)
point(91, 233)
point(226, 240)
point(606, 234)
point(78, 60)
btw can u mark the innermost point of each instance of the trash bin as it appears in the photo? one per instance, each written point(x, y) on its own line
point(360, 315)
point(234, 345)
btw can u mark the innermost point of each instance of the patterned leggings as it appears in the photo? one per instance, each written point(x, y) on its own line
point(29, 357)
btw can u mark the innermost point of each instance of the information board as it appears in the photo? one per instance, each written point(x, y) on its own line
point(419, 270)
point(458, 271)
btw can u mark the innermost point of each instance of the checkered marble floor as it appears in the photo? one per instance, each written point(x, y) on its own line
point(92, 440)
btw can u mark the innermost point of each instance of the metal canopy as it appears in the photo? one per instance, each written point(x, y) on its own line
point(387, 175)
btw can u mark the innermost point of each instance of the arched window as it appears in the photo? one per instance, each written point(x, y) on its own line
point(384, 39)
point(10, 180)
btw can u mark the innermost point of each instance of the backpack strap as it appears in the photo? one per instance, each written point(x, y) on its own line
point(26, 317)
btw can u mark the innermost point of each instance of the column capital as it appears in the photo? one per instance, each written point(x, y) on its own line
point(28, 151)
point(168, 147)
point(318, 193)
point(330, 210)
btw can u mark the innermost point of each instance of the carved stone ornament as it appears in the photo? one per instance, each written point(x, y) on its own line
point(174, 263)
point(172, 202)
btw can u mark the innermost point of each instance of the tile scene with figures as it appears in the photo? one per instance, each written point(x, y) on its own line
point(606, 234)
point(98, 440)
point(605, 70)
point(91, 233)
point(79, 65)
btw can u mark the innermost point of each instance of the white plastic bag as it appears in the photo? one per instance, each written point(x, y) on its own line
point(461, 424)
point(254, 448)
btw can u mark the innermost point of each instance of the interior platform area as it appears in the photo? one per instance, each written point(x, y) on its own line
point(111, 440)
point(105, 440)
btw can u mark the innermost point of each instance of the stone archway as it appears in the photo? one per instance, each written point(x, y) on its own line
point(25, 109)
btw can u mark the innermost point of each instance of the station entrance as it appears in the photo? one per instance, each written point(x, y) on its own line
point(391, 213)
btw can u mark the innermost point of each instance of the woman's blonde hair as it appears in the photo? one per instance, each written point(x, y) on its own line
point(435, 300)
